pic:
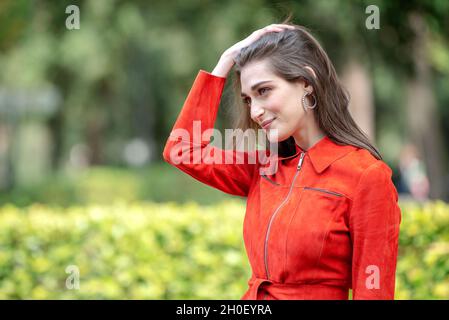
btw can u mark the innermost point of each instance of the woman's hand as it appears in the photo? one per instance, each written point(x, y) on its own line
point(227, 59)
point(235, 49)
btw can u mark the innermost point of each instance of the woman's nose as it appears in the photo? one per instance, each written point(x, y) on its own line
point(256, 112)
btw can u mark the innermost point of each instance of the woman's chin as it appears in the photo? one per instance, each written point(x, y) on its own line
point(274, 136)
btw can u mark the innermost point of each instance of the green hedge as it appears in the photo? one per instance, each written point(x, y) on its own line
point(170, 251)
point(423, 262)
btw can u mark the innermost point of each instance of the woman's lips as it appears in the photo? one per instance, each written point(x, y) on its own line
point(267, 124)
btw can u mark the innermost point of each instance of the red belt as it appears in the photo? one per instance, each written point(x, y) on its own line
point(258, 287)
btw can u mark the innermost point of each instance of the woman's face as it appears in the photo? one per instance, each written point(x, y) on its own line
point(275, 100)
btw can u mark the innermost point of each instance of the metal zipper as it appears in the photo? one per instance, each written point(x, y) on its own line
point(301, 159)
point(324, 191)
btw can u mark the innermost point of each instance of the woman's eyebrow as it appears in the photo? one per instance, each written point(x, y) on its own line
point(255, 86)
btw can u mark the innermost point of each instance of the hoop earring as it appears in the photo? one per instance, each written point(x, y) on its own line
point(304, 102)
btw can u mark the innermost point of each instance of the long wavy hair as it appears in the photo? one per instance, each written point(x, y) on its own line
point(287, 53)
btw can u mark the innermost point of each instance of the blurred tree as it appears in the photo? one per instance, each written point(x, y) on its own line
point(413, 27)
point(402, 48)
point(124, 75)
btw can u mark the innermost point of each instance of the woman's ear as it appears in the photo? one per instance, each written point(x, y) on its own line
point(307, 86)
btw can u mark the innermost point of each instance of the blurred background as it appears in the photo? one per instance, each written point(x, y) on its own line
point(88, 208)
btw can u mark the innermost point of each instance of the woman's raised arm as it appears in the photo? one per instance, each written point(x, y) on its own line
point(188, 146)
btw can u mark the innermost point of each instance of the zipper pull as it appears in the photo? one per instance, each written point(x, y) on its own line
point(301, 159)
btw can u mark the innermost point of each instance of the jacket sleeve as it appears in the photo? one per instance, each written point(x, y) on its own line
point(188, 146)
point(374, 228)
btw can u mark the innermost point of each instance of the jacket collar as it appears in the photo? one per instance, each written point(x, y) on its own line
point(323, 153)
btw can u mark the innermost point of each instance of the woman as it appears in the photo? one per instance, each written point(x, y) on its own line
point(326, 220)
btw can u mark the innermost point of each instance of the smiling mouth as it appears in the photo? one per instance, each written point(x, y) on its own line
point(268, 124)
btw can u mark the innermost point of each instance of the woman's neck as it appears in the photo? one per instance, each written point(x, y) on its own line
point(306, 137)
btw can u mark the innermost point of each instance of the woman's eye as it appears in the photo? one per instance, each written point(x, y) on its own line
point(266, 89)
point(261, 91)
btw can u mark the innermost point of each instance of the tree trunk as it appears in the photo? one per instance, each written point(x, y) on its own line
point(358, 82)
point(422, 120)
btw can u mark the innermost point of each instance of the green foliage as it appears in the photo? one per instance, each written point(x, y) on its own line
point(423, 267)
point(134, 250)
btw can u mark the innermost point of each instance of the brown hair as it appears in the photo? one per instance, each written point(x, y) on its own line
point(287, 53)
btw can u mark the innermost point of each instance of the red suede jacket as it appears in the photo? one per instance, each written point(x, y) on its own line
point(326, 221)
